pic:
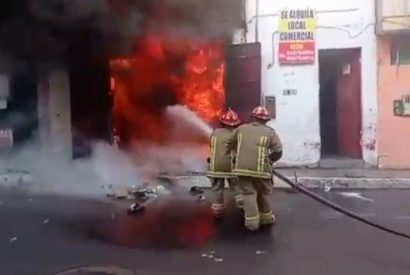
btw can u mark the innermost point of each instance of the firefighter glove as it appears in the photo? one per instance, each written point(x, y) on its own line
point(275, 156)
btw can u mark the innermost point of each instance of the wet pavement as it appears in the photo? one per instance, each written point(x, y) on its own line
point(45, 235)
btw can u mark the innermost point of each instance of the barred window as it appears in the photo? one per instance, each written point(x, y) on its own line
point(400, 51)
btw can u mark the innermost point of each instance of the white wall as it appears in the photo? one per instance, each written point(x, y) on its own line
point(341, 24)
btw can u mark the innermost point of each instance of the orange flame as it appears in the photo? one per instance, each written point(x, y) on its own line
point(203, 85)
point(160, 73)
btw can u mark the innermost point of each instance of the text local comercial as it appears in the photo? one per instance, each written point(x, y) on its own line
point(296, 25)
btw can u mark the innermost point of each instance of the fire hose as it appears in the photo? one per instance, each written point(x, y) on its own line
point(337, 207)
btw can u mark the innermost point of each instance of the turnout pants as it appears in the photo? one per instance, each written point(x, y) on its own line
point(217, 194)
point(257, 199)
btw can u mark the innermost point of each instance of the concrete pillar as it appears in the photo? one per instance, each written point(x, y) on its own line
point(54, 110)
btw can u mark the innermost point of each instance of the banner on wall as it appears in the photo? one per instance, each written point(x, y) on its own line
point(297, 37)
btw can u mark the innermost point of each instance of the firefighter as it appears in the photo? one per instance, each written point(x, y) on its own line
point(221, 164)
point(257, 147)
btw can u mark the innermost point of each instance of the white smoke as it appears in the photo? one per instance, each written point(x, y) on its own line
point(185, 150)
point(109, 168)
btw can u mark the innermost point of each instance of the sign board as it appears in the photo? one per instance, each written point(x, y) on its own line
point(4, 86)
point(6, 138)
point(297, 37)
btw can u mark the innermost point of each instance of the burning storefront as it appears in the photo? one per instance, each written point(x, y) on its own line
point(147, 72)
point(162, 75)
point(174, 62)
point(177, 60)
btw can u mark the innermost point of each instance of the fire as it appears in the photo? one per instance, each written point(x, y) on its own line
point(164, 72)
point(203, 84)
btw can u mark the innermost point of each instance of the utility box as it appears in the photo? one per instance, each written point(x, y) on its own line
point(406, 105)
point(397, 108)
point(270, 104)
point(401, 107)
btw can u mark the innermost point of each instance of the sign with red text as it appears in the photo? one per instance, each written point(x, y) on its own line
point(297, 37)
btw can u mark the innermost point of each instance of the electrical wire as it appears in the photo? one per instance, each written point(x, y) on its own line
point(337, 207)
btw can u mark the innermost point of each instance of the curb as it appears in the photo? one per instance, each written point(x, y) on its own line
point(309, 182)
point(13, 179)
point(353, 183)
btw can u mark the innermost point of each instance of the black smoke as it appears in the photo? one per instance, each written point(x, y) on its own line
point(44, 30)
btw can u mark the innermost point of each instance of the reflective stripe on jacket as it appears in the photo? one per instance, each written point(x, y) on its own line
point(221, 160)
point(253, 143)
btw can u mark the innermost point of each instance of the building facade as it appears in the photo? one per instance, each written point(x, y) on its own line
point(319, 114)
point(333, 72)
point(393, 83)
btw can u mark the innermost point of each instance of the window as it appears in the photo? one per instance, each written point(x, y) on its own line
point(400, 51)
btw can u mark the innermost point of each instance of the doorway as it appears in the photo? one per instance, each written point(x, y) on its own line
point(340, 103)
point(243, 78)
point(89, 97)
point(21, 113)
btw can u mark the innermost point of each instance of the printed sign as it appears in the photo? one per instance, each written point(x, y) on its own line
point(6, 138)
point(297, 31)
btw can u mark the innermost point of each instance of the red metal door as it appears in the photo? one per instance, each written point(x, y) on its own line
point(348, 106)
point(243, 78)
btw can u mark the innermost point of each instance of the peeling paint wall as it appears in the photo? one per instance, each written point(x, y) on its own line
point(394, 131)
point(341, 24)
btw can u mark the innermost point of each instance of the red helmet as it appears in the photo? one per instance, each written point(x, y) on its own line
point(230, 118)
point(261, 113)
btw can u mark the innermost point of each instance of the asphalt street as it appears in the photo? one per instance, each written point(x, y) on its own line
point(47, 234)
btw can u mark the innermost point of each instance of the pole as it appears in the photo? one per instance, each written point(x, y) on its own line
point(257, 21)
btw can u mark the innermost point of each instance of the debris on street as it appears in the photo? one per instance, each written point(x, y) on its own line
point(211, 255)
point(136, 209)
point(161, 190)
point(218, 260)
point(195, 190)
point(261, 252)
point(355, 195)
point(13, 239)
point(201, 198)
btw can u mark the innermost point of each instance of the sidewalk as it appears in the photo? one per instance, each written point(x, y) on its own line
point(14, 177)
point(349, 178)
point(321, 179)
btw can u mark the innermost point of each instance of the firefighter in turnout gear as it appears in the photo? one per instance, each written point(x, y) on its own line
point(221, 163)
point(256, 147)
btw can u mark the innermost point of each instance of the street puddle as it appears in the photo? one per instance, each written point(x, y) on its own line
point(173, 223)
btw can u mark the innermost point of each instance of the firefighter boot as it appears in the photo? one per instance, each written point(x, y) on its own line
point(264, 189)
